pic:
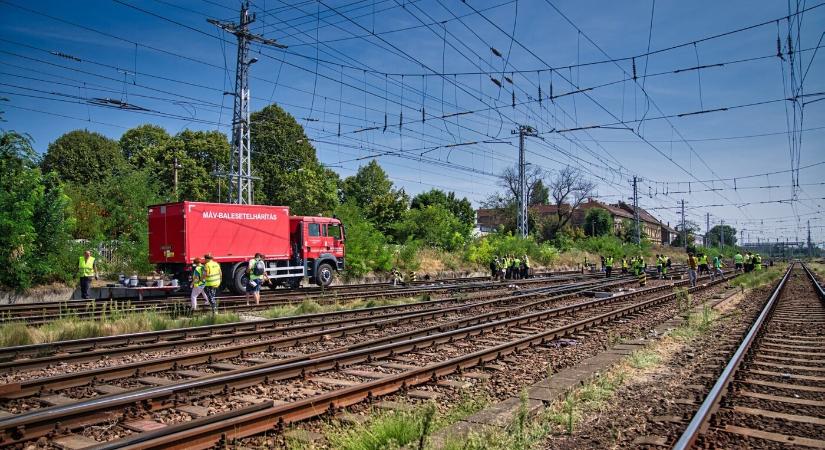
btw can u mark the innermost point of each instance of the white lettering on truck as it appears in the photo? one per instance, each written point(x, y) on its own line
point(238, 215)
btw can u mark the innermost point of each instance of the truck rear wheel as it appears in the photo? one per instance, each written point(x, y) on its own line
point(324, 275)
point(239, 280)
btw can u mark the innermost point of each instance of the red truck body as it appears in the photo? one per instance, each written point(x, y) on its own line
point(293, 246)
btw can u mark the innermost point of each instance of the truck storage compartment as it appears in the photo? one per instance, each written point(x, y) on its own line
point(180, 232)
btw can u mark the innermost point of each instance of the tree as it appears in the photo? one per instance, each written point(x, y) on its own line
point(83, 156)
point(598, 222)
point(462, 209)
point(533, 179)
point(33, 218)
point(629, 231)
point(371, 190)
point(434, 225)
point(200, 154)
point(539, 195)
point(569, 190)
point(714, 236)
point(289, 170)
point(144, 146)
point(691, 228)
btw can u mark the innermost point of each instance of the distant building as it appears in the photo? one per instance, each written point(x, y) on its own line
point(653, 229)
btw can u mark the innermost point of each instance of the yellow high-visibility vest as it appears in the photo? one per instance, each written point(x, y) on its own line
point(213, 274)
point(87, 267)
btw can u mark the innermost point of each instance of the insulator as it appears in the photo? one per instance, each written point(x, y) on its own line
point(385, 122)
point(539, 94)
point(634, 68)
point(423, 115)
point(508, 79)
point(551, 91)
point(498, 83)
point(495, 52)
point(400, 119)
point(514, 99)
point(790, 45)
point(779, 48)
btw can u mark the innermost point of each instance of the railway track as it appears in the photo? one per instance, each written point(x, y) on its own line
point(39, 313)
point(38, 355)
point(329, 378)
point(771, 392)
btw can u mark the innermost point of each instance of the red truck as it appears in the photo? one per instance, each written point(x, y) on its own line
point(294, 247)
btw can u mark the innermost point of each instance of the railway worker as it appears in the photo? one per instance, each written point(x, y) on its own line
point(748, 262)
point(757, 262)
point(608, 266)
point(525, 267)
point(692, 266)
point(641, 275)
point(703, 263)
point(213, 274)
point(198, 283)
point(87, 268)
point(516, 268)
point(256, 271)
point(624, 265)
point(738, 262)
point(493, 268)
point(717, 267)
point(659, 266)
point(665, 266)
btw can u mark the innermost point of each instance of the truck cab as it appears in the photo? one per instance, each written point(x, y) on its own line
point(318, 245)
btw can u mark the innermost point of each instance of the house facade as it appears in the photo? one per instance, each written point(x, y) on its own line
point(653, 229)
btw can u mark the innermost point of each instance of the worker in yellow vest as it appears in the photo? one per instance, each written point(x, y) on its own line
point(213, 281)
point(87, 268)
point(624, 265)
point(608, 266)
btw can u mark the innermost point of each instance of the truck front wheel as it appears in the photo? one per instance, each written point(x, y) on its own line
point(324, 275)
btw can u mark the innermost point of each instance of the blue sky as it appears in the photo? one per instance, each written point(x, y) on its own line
point(350, 64)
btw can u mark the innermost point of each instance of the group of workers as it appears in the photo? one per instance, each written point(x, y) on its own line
point(747, 263)
point(637, 264)
point(699, 263)
point(510, 268)
point(206, 280)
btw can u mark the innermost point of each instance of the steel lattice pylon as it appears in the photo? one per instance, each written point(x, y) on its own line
point(240, 161)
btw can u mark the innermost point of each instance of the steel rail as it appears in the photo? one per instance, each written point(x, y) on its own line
point(38, 313)
point(89, 349)
point(818, 287)
point(234, 425)
point(183, 333)
point(66, 380)
point(698, 423)
point(43, 421)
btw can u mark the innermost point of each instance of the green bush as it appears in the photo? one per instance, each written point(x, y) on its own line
point(367, 248)
point(482, 250)
point(612, 246)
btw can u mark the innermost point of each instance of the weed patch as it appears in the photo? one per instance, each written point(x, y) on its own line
point(71, 328)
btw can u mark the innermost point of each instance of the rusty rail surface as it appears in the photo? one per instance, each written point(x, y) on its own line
point(47, 421)
point(710, 405)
